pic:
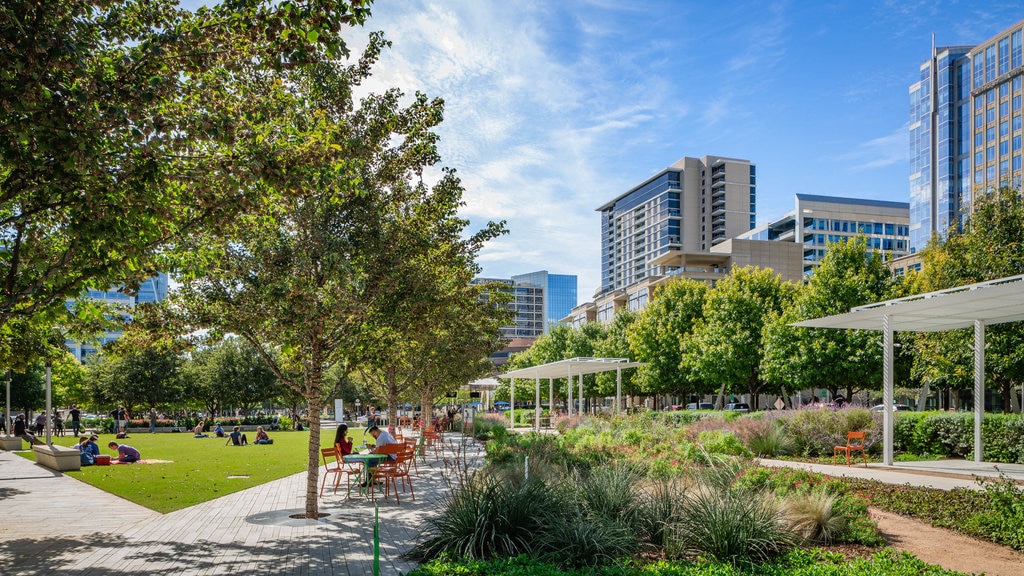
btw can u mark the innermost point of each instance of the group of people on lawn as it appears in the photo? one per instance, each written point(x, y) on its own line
point(235, 437)
point(90, 451)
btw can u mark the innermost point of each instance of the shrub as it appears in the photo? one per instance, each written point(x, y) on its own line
point(722, 442)
point(737, 526)
point(489, 516)
point(767, 438)
point(584, 541)
point(815, 431)
point(1003, 519)
point(815, 515)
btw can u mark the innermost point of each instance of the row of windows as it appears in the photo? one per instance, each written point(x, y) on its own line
point(897, 244)
point(850, 226)
point(1008, 56)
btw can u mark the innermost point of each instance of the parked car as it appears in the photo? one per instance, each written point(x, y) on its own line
point(895, 407)
point(700, 406)
point(737, 407)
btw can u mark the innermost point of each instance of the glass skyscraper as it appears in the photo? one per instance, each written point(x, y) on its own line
point(153, 289)
point(965, 130)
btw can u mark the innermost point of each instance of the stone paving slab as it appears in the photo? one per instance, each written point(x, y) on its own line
point(51, 523)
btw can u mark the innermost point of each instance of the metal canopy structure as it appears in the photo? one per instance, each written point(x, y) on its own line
point(975, 305)
point(567, 369)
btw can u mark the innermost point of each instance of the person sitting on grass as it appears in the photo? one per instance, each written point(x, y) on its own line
point(218, 431)
point(198, 430)
point(261, 436)
point(87, 457)
point(236, 438)
point(125, 453)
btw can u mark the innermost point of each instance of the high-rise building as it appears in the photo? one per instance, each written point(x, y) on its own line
point(153, 289)
point(692, 205)
point(817, 221)
point(965, 130)
point(540, 300)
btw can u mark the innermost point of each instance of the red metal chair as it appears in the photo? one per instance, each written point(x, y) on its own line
point(854, 443)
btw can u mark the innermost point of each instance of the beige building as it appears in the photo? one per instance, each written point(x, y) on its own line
point(785, 258)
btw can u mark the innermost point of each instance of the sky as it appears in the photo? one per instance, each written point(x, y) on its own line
point(555, 107)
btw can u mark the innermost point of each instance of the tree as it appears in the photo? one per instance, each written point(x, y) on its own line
point(230, 373)
point(615, 344)
point(990, 246)
point(725, 347)
point(128, 123)
point(849, 275)
point(658, 333)
point(327, 276)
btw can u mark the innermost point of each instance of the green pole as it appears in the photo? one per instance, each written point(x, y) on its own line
point(376, 541)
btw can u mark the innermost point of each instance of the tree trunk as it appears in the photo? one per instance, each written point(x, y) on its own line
point(427, 408)
point(313, 463)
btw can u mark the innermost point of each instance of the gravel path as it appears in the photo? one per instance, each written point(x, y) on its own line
point(947, 548)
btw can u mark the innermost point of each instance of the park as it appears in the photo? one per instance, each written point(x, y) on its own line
point(318, 271)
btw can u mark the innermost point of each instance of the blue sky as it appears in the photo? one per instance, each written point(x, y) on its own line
point(556, 107)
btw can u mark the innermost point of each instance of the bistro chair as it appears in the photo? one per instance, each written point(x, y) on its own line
point(854, 443)
point(337, 467)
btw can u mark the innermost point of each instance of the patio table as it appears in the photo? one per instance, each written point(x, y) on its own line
point(365, 459)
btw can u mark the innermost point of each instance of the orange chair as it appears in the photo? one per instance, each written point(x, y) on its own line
point(384, 471)
point(399, 469)
point(854, 443)
point(411, 444)
point(432, 441)
point(337, 468)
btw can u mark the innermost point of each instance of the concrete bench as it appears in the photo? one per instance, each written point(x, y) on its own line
point(58, 458)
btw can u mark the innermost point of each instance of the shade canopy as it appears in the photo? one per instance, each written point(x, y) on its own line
point(574, 366)
point(993, 302)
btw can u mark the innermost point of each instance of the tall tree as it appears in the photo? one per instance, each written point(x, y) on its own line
point(725, 347)
point(837, 360)
point(659, 331)
point(990, 246)
point(615, 344)
point(128, 123)
point(328, 276)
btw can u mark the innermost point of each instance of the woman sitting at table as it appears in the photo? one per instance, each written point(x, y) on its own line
point(341, 442)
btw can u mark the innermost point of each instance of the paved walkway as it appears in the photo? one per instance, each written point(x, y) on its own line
point(942, 474)
point(53, 524)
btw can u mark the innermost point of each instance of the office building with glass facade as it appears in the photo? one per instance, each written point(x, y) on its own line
point(540, 300)
point(817, 221)
point(965, 130)
point(692, 205)
point(153, 289)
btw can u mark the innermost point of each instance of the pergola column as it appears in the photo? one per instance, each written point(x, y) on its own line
point(568, 401)
point(536, 407)
point(979, 385)
point(887, 392)
point(618, 390)
point(581, 395)
point(512, 405)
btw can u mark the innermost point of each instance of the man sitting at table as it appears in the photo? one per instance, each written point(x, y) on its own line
point(382, 438)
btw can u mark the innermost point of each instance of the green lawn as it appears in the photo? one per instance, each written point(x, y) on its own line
point(201, 469)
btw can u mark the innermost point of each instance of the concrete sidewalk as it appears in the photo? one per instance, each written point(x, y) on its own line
point(942, 474)
point(51, 523)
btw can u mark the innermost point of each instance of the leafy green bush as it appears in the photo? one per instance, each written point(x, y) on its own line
point(802, 562)
point(815, 431)
point(722, 442)
point(1003, 519)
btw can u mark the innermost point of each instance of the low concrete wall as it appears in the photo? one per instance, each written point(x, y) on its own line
point(58, 458)
point(10, 442)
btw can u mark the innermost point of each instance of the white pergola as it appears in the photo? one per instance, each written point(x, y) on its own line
point(567, 369)
point(978, 305)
